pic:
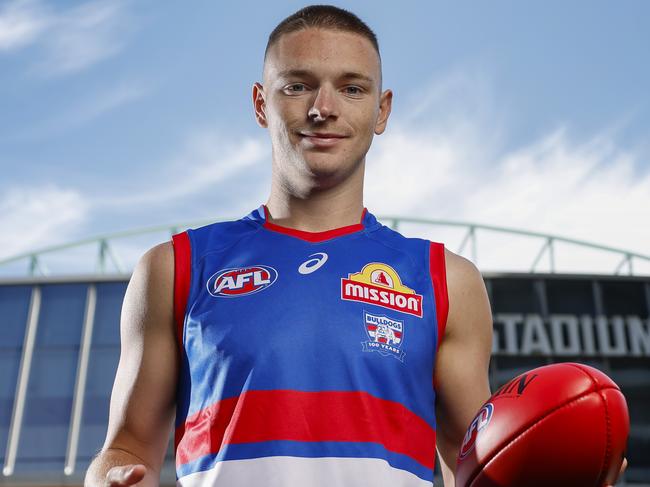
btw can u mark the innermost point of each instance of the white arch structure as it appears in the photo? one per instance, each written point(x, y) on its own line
point(107, 261)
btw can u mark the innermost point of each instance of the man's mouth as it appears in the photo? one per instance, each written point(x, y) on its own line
point(323, 135)
point(322, 139)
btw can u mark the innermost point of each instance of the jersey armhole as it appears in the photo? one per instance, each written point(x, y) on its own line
point(182, 274)
point(439, 281)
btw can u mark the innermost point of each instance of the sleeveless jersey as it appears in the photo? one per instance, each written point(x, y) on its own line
point(307, 358)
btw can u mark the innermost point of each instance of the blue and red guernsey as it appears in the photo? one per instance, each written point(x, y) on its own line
point(306, 358)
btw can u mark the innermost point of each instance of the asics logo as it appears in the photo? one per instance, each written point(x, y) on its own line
point(314, 264)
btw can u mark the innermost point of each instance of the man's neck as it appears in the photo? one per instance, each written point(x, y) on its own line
point(335, 207)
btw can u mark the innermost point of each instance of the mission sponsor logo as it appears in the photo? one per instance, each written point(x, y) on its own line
point(386, 335)
point(380, 284)
point(241, 281)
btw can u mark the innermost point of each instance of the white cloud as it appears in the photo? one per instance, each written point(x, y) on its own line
point(36, 217)
point(208, 160)
point(80, 112)
point(21, 23)
point(39, 217)
point(84, 36)
point(105, 101)
point(69, 40)
point(452, 168)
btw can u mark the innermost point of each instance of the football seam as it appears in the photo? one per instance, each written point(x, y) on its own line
point(608, 447)
point(604, 466)
point(530, 426)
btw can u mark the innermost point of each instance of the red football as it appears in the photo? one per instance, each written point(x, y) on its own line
point(564, 424)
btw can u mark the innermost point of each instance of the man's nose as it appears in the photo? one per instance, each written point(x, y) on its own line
point(324, 105)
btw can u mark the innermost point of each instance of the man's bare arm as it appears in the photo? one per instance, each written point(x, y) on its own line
point(461, 375)
point(143, 396)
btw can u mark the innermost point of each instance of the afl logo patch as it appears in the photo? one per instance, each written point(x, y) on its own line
point(241, 281)
point(479, 423)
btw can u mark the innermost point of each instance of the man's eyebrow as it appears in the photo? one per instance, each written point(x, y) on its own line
point(287, 73)
point(353, 75)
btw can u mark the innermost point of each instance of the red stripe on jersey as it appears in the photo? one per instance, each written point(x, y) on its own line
point(182, 271)
point(439, 279)
point(352, 416)
point(314, 236)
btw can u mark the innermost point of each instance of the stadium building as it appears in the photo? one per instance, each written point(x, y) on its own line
point(59, 329)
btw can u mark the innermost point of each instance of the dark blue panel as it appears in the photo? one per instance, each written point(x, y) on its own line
point(104, 356)
point(52, 376)
point(61, 316)
point(14, 308)
point(107, 316)
point(101, 374)
point(570, 296)
point(44, 435)
point(624, 298)
point(514, 295)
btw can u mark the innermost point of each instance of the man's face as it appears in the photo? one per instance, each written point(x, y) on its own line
point(322, 105)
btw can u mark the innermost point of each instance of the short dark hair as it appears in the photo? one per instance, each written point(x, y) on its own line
point(324, 17)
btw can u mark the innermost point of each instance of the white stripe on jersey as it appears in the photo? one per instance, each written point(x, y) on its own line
point(284, 471)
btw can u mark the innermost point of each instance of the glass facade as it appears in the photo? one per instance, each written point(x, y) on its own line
point(538, 319)
point(14, 307)
point(48, 404)
point(104, 356)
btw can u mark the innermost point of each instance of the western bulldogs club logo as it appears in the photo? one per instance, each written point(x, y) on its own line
point(385, 335)
point(242, 281)
point(479, 423)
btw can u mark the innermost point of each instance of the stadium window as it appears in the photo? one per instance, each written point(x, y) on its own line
point(624, 298)
point(570, 296)
point(104, 356)
point(45, 428)
point(513, 295)
point(14, 307)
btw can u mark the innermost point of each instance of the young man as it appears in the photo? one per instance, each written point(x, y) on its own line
point(305, 344)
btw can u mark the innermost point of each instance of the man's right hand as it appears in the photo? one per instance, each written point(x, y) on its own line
point(125, 475)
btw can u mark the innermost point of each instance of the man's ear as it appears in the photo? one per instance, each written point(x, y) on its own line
point(259, 105)
point(385, 105)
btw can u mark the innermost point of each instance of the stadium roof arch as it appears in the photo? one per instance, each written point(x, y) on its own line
point(519, 250)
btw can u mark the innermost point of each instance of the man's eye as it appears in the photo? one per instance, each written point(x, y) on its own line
point(353, 90)
point(296, 88)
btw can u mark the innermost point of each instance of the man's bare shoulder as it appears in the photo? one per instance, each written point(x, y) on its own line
point(159, 258)
point(155, 269)
point(468, 301)
point(149, 296)
point(459, 269)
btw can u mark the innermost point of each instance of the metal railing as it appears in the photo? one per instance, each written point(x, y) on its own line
point(107, 260)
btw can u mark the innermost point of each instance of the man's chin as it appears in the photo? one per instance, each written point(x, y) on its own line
point(324, 178)
point(326, 165)
point(318, 172)
point(326, 174)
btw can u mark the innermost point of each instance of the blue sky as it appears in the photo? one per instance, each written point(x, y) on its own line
point(117, 115)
